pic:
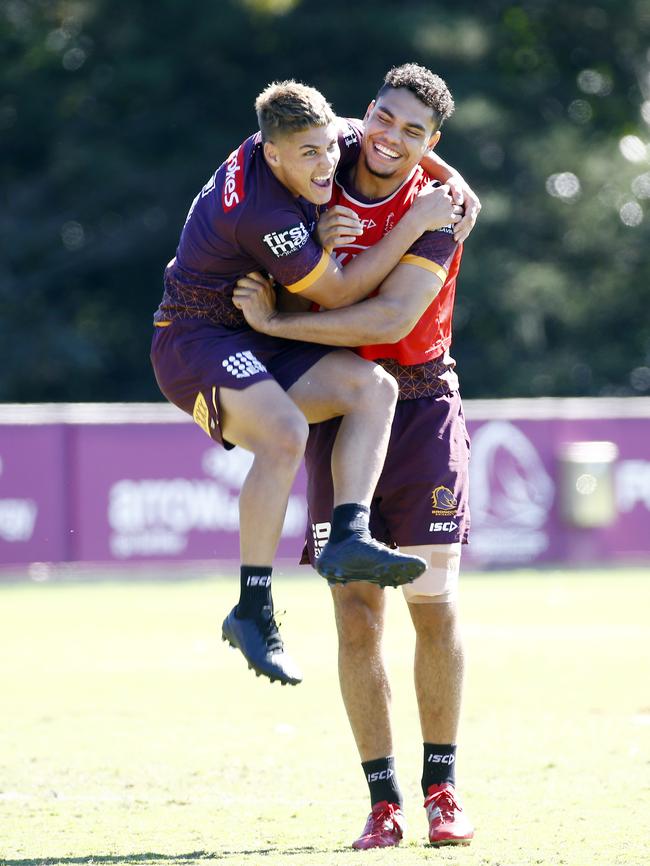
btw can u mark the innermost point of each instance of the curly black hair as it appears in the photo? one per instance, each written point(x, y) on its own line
point(426, 85)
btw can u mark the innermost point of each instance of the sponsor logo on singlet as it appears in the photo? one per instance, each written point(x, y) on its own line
point(233, 187)
point(287, 241)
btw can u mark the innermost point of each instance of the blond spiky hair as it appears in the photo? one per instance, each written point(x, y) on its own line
point(289, 106)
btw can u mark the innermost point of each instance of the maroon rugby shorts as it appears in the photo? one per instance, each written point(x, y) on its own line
point(193, 359)
point(422, 494)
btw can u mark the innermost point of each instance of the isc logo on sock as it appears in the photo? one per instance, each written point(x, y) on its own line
point(259, 580)
point(441, 759)
point(320, 534)
point(381, 774)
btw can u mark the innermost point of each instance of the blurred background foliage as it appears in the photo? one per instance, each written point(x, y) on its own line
point(113, 113)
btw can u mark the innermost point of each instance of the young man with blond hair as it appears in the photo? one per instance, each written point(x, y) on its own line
point(259, 210)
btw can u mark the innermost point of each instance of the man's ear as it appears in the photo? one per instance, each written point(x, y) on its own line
point(368, 110)
point(271, 154)
point(435, 138)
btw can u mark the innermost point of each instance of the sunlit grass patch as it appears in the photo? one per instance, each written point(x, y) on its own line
point(131, 734)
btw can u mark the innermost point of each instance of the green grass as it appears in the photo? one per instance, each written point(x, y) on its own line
point(130, 734)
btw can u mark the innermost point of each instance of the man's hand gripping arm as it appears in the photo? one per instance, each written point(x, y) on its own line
point(386, 318)
point(338, 287)
point(461, 193)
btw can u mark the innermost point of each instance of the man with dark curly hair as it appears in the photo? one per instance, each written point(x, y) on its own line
point(421, 499)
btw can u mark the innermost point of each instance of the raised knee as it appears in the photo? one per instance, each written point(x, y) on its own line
point(387, 385)
point(371, 385)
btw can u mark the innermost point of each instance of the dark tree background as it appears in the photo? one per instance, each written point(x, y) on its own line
point(114, 113)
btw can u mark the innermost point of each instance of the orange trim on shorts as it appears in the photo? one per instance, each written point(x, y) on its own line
point(162, 324)
point(428, 265)
point(312, 276)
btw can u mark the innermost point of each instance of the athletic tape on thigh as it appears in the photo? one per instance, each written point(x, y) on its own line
point(439, 582)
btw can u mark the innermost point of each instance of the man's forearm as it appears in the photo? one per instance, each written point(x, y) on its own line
point(370, 322)
point(437, 167)
point(368, 269)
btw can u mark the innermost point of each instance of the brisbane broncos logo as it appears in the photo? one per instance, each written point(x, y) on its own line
point(443, 501)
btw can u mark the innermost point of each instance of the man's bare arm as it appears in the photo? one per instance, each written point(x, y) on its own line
point(461, 192)
point(338, 287)
point(385, 318)
point(288, 303)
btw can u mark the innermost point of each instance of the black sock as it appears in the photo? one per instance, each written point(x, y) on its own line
point(382, 780)
point(439, 765)
point(350, 519)
point(254, 590)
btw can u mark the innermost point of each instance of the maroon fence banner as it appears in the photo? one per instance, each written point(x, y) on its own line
point(34, 487)
point(555, 481)
point(552, 481)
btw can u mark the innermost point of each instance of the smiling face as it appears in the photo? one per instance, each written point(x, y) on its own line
point(398, 130)
point(305, 161)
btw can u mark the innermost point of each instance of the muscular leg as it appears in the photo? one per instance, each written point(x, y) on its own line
point(341, 383)
point(359, 611)
point(439, 658)
point(264, 420)
point(271, 424)
point(439, 664)
point(365, 689)
point(365, 395)
point(438, 670)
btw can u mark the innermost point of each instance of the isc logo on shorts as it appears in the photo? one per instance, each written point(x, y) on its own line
point(320, 534)
point(243, 364)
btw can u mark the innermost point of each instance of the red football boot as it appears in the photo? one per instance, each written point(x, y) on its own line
point(448, 824)
point(384, 827)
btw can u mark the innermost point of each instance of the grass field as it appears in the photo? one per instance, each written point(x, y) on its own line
point(130, 734)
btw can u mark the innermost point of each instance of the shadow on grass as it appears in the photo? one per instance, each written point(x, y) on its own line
point(179, 859)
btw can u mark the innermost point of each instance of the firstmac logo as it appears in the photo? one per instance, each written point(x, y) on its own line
point(287, 241)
